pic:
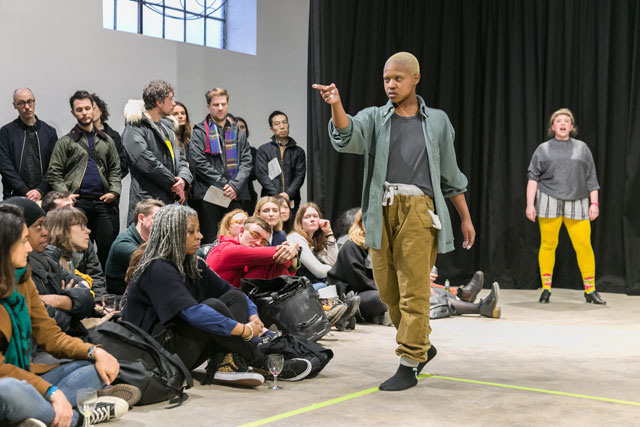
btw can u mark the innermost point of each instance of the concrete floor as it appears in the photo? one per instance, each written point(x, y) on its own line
point(566, 346)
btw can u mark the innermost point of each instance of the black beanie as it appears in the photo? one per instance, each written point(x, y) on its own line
point(32, 212)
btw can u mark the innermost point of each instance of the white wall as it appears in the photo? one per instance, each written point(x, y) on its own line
point(57, 47)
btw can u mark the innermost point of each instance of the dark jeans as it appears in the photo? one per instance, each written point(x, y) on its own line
point(194, 345)
point(210, 215)
point(100, 223)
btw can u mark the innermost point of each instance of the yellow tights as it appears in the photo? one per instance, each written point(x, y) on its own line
point(580, 234)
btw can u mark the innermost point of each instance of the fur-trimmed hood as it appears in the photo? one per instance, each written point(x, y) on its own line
point(134, 112)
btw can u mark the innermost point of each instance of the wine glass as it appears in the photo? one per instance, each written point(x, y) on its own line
point(275, 363)
point(86, 400)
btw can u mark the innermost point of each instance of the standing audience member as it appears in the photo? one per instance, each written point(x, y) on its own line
point(250, 204)
point(174, 296)
point(86, 162)
point(564, 185)
point(26, 145)
point(281, 164)
point(127, 243)
point(66, 296)
point(44, 392)
point(183, 134)
point(100, 116)
point(157, 164)
point(69, 245)
point(220, 157)
point(249, 255)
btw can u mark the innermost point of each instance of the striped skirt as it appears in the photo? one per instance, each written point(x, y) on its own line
point(550, 207)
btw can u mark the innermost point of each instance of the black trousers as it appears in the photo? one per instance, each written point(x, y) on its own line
point(100, 222)
point(194, 345)
point(210, 215)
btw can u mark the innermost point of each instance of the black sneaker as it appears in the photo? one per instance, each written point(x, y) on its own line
point(295, 369)
point(232, 370)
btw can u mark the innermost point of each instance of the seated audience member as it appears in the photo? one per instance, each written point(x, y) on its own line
point(352, 273)
point(70, 246)
point(44, 392)
point(229, 226)
point(446, 304)
point(344, 224)
point(250, 256)
point(126, 244)
point(174, 296)
point(268, 208)
point(313, 234)
point(66, 296)
point(285, 214)
point(57, 199)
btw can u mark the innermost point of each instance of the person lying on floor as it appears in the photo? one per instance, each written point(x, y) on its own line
point(452, 301)
point(191, 311)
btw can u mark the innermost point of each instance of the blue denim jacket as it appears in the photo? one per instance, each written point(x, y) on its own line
point(368, 133)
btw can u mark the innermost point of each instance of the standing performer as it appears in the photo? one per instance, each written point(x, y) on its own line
point(410, 167)
point(563, 182)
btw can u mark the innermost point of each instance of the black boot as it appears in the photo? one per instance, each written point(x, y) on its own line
point(544, 296)
point(594, 298)
point(489, 305)
point(469, 291)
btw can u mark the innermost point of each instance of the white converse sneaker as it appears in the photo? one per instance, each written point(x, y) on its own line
point(108, 408)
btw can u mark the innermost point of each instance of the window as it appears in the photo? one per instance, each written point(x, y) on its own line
point(200, 22)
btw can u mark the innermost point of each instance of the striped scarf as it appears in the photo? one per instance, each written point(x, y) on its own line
point(230, 146)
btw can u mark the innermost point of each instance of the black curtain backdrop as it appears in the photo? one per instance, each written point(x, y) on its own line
point(499, 69)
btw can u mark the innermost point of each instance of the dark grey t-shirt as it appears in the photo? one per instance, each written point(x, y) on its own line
point(408, 161)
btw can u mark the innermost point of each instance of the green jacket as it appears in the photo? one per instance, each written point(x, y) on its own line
point(369, 132)
point(70, 158)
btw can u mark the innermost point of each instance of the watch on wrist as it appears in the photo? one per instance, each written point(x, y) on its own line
point(92, 350)
point(50, 392)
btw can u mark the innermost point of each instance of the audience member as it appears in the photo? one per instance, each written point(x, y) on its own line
point(58, 199)
point(285, 214)
point(183, 133)
point(70, 246)
point(232, 223)
point(268, 208)
point(220, 157)
point(190, 310)
point(250, 256)
point(44, 392)
point(126, 244)
point(250, 204)
point(281, 164)
point(100, 116)
point(26, 145)
point(66, 296)
point(86, 162)
point(445, 303)
point(157, 164)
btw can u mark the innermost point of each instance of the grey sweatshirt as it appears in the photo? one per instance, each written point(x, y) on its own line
point(564, 169)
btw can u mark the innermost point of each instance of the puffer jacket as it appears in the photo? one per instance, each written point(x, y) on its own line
point(70, 158)
point(153, 170)
point(13, 137)
point(211, 170)
point(85, 262)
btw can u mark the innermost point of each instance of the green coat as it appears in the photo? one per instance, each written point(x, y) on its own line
point(70, 158)
point(369, 132)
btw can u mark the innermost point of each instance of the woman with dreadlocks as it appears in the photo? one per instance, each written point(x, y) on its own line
point(191, 311)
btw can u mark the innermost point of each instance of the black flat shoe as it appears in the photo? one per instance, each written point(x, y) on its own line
point(594, 298)
point(544, 297)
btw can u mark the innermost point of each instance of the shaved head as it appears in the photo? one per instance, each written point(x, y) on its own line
point(409, 61)
point(21, 91)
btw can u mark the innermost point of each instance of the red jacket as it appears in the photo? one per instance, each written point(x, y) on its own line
point(234, 262)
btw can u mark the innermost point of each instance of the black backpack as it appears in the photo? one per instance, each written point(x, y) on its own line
point(144, 363)
point(295, 346)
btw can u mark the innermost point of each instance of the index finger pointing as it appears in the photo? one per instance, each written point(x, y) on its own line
point(319, 86)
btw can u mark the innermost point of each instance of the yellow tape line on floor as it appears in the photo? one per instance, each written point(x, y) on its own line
point(375, 389)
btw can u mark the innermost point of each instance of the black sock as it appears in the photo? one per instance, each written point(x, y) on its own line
point(431, 353)
point(404, 378)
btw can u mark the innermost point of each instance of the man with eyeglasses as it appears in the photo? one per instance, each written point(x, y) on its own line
point(220, 156)
point(249, 255)
point(26, 145)
point(281, 164)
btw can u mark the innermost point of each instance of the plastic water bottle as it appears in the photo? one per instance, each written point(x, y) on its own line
point(447, 285)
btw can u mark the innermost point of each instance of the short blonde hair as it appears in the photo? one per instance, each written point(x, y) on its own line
point(263, 201)
point(562, 112)
point(216, 91)
point(406, 58)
